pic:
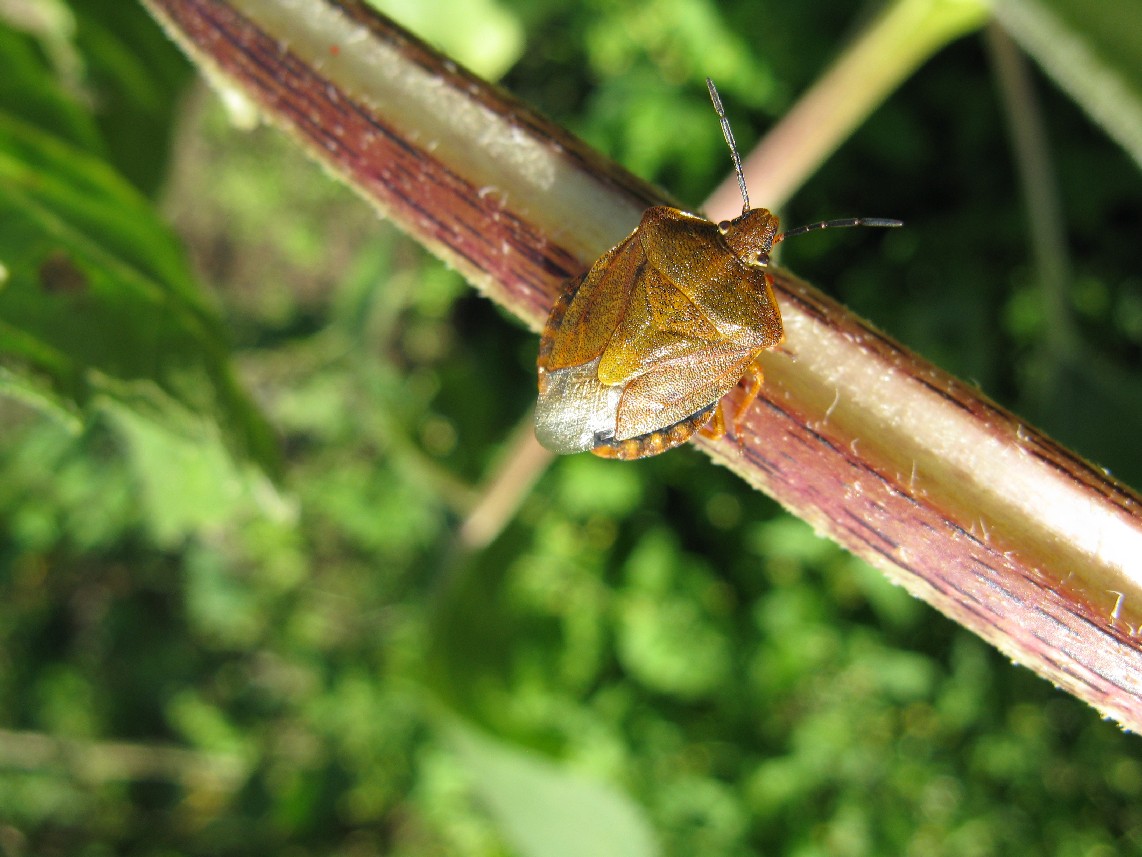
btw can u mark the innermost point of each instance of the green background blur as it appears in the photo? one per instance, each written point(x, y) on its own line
point(651, 658)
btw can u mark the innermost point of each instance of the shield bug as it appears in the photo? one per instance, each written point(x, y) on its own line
point(639, 350)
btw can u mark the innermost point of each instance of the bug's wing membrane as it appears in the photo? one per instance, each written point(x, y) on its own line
point(573, 408)
point(597, 308)
point(676, 389)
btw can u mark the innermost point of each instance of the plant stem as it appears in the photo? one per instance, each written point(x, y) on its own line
point(952, 497)
point(1045, 214)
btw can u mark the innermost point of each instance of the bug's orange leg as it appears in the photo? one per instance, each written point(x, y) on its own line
point(751, 384)
point(752, 381)
point(715, 429)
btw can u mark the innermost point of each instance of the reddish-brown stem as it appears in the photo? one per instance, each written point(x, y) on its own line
point(957, 500)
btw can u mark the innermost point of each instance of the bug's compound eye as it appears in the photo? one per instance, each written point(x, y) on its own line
point(724, 226)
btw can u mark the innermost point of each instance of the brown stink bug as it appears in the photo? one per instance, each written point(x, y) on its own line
point(639, 350)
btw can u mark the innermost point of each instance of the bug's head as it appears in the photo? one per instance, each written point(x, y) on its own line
point(751, 235)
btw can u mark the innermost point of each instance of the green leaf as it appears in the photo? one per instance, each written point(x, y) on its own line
point(213, 489)
point(137, 77)
point(96, 302)
point(1093, 51)
point(29, 91)
point(545, 810)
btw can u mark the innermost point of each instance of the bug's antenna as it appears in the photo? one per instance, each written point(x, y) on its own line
point(885, 222)
point(728, 133)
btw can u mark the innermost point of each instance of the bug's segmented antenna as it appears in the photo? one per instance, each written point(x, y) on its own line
point(728, 133)
point(883, 222)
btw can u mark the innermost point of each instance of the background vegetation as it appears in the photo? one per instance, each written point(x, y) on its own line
point(650, 658)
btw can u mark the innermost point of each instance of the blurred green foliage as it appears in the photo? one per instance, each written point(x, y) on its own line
point(651, 658)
